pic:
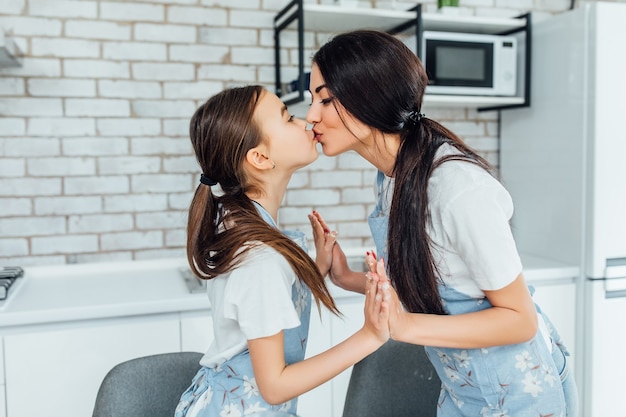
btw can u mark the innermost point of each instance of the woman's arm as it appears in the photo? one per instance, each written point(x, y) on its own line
point(279, 382)
point(512, 319)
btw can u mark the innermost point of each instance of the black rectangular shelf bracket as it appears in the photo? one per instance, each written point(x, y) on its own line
point(298, 14)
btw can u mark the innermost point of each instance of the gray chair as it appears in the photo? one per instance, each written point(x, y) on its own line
point(149, 386)
point(397, 380)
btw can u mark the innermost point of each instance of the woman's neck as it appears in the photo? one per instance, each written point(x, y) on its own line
point(382, 151)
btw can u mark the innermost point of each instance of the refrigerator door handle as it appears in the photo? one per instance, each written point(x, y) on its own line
point(615, 278)
point(615, 268)
point(615, 288)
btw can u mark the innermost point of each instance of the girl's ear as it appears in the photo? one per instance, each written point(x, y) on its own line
point(257, 158)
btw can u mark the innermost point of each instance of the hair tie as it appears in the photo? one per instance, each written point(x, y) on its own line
point(207, 181)
point(415, 117)
point(411, 119)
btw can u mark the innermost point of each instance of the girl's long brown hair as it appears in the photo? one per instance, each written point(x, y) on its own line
point(221, 229)
point(381, 82)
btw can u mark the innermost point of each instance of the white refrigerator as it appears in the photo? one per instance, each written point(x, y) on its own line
point(564, 161)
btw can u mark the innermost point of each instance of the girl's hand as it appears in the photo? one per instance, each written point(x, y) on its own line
point(377, 307)
point(325, 240)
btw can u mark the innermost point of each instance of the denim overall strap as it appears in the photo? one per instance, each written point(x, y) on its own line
point(230, 388)
point(513, 380)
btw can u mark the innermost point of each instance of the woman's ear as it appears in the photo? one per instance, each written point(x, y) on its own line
point(257, 158)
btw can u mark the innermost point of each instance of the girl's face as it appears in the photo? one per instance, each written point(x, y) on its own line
point(326, 115)
point(291, 146)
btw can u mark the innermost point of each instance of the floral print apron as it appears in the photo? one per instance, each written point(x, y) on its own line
point(230, 390)
point(513, 380)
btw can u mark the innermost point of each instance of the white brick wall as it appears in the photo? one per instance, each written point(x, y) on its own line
point(95, 162)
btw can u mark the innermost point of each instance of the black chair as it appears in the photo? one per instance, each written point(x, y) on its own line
point(149, 386)
point(397, 380)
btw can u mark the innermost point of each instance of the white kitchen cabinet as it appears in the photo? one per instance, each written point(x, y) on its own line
point(3, 404)
point(556, 294)
point(341, 329)
point(196, 330)
point(57, 371)
point(316, 402)
point(557, 298)
point(327, 400)
point(67, 329)
point(3, 409)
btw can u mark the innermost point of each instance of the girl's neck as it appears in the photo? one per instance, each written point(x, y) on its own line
point(270, 199)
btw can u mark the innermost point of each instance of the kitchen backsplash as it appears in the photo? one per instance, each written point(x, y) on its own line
point(95, 162)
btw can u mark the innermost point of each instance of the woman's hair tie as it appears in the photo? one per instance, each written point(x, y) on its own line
point(207, 181)
point(412, 119)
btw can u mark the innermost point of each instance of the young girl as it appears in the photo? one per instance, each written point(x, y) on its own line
point(260, 279)
point(441, 225)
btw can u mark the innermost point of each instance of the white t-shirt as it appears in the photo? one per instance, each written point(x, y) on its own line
point(252, 301)
point(472, 240)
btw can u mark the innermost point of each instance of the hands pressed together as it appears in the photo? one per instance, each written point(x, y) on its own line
point(383, 310)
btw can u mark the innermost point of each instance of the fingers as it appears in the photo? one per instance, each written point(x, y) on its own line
point(370, 261)
point(320, 228)
point(377, 306)
point(316, 226)
point(320, 219)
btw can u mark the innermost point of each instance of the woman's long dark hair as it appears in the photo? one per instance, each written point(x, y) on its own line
point(381, 82)
point(221, 229)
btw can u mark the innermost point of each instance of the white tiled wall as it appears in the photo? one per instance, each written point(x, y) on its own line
point(95, 162)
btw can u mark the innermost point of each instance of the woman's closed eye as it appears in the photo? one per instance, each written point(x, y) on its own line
point(327, 100)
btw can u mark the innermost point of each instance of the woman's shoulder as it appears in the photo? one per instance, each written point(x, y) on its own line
point(463, 181)
point(456, 176)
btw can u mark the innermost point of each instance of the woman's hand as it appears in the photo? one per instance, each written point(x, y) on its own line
point(377, 307)
point(397, 315)
point(325, 240)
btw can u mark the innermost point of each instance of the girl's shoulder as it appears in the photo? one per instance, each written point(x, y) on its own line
point(260, 267)
point(262, 255)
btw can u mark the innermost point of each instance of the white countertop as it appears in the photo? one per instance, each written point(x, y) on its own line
point(99, 290)
point(65, 293)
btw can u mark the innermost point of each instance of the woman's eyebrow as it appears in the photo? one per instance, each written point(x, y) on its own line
point(319, 88)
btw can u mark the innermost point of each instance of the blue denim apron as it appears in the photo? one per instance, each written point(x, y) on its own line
point(230, 388)
point(518, 380)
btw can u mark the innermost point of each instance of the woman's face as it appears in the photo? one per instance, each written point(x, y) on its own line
point(326, 113)
point(291, 146)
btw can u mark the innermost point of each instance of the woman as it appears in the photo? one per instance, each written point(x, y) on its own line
point(441, 225)
point(260, 279)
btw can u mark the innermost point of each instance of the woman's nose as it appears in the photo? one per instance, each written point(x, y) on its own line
point(312, 115)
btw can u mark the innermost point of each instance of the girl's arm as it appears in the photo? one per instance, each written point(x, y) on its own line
point(279, 382)
point(512, 319)
point(332, 260)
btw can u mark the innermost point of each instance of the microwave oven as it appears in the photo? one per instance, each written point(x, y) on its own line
point(470, 63)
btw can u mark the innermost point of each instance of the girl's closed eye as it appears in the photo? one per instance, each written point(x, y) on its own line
point(327, 100)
